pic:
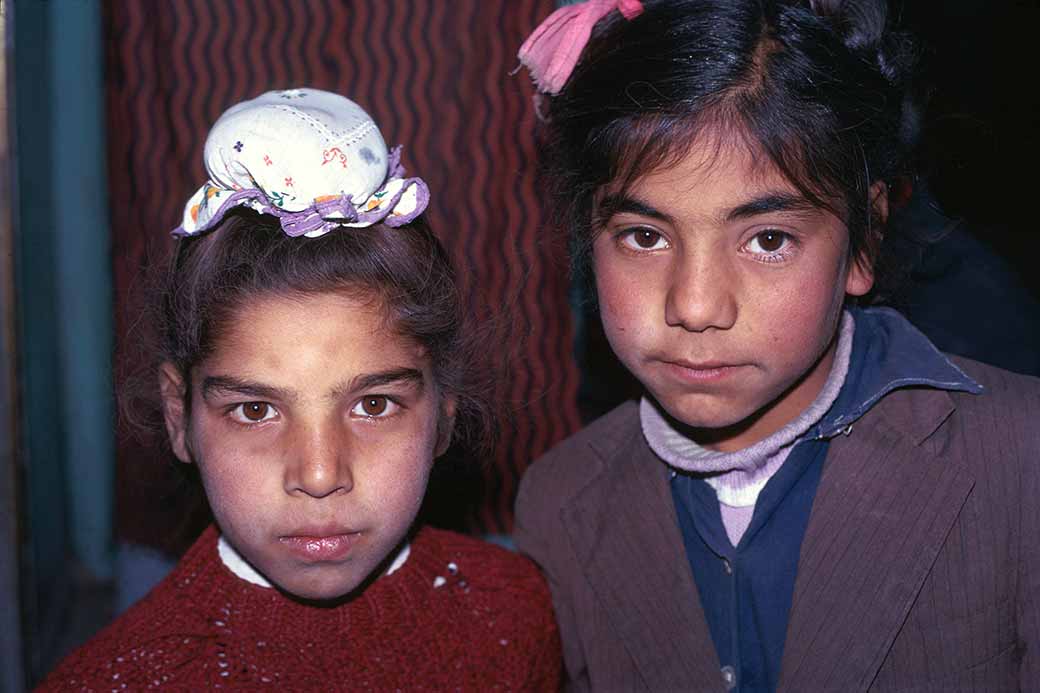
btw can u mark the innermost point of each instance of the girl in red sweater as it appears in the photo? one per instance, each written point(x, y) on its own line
point(312, 367)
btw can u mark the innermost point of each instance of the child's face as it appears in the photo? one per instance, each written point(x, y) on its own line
point(314, 427)
point(721, 288)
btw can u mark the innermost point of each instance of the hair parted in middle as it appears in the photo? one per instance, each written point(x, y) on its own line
point(820, 89)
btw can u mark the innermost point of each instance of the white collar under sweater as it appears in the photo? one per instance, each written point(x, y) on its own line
point(739, 476)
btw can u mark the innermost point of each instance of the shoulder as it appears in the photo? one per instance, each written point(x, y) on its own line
point(481, 565)
point(493, 599)
point(157, 634)
point(1008, 406)
point(992, 433)
point(567, 468)
point(1005, 414)
point(1001, 387)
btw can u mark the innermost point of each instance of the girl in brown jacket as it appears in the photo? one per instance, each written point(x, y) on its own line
point(809, 496)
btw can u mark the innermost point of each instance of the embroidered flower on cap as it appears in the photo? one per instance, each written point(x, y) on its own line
point(312, 158)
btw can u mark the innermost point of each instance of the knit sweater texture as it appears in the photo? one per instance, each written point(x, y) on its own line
point(460, 614)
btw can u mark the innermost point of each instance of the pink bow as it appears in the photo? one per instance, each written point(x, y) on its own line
point(552, 50)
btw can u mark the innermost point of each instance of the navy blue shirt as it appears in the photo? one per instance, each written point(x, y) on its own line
point(746, 590)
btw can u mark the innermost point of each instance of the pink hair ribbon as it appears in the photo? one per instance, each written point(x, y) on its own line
point(552, 50)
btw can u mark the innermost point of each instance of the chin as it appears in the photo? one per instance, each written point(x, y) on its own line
point(705, 412)
point(318, 583)
point(321, 591)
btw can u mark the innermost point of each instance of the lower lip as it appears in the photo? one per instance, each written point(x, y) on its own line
point(314, 549)
point(701, 375)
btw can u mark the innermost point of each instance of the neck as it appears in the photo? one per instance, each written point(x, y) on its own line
point(770, 418)
point(778, 413)
point(679, 445)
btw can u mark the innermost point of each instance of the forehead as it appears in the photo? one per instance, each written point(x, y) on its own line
point(310, 335)
point(716, 169)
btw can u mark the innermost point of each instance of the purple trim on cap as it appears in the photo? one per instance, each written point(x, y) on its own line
point(422, 198)
point(319, 215)
point(387, 216)
point(316, 216)
point(235, 200)
point(393, 165)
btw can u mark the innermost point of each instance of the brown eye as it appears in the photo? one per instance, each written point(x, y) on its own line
point(255, 411)
point(374, 406)
point(640, 239)
point(771, 241)
point(645, 238)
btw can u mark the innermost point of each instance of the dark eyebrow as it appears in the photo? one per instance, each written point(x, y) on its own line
point(766, 204)
point(771, 202)
point(394, 375)
point(623, 204)
point(216, 384)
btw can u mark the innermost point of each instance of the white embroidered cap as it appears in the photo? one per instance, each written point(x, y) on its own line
point(312, 158)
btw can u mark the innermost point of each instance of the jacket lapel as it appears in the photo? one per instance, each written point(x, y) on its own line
point(884, 506)
point(624, 529)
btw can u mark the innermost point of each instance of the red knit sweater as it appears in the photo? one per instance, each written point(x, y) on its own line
point(484, 623)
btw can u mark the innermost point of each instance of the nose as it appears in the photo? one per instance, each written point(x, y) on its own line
point(702, 293)
point(319, 463)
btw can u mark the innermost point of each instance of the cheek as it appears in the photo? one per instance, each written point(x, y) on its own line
point(400, 465)
point(623, 298)
point(231, 477)
point(235, 468)
point(394, 483)
point(798, 321)
point(412, 458)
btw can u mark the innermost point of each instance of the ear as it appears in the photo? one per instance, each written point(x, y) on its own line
point(445, 426)
point(173, 391)
point(879, 202)
point(860, 278)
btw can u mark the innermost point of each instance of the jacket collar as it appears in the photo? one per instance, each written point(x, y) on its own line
point(888, 353)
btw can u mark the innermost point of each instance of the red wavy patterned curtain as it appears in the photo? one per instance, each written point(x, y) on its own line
point(436, 77)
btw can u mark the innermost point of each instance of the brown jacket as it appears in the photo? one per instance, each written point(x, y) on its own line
point(919, 571)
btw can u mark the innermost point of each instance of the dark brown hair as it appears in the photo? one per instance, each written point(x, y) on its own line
point(819, 87)
point(248, 255)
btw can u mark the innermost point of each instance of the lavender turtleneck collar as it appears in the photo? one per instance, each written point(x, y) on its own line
point(739, 476)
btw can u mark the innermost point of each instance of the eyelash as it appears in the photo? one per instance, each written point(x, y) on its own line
point(625, 235)
point(626, 238)
point(782, 254)
point(237, 414)
point(393, 407)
